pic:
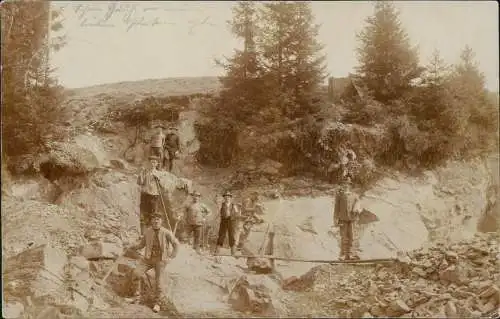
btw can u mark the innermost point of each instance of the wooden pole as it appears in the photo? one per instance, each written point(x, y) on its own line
point(322, 261)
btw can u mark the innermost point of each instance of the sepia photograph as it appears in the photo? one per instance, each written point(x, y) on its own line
point(250, 159)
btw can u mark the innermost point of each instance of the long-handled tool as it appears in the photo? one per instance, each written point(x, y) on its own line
point(163, 202)
point(102, 281)
point(175, 227)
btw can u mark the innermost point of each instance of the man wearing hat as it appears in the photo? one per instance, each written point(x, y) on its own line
point(156, 241)
point(172, 147)
point(150, 194)
point(157, 142)
point(229, 213)
point(195, 215)
point(345, 216)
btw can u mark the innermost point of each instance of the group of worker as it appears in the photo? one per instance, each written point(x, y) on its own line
point(236, 220)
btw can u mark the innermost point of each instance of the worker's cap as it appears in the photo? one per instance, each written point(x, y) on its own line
point(154, 157)
point(196, 194)
point(156, 215)
point(173, 128)
point(227, 194)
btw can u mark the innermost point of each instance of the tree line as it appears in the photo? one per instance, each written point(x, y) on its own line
point(433, 112)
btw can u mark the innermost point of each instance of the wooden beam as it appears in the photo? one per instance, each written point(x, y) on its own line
point(322, 261)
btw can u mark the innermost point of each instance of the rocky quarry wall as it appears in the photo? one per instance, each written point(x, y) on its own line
point(447, 204)
point(98, 192)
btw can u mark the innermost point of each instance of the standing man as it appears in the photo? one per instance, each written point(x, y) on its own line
point(156, 240)
point(229, 212)
point(150, 194)
point(195, 216)
point(172, 147)
point(157, 142)
point(345, 216)
point(251, 215)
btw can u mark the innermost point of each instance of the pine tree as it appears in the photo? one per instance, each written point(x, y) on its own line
point(434, 94)
point(387, 62)
point(291, 52)
point(468, 86)
point(30, 102)
point(244, 93)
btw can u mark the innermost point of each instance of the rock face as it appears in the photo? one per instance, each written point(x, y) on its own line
point(46, 275)
point(446, 281)
point(28, 222)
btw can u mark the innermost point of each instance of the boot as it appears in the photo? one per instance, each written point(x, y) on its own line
point(217, 250)
point(233, 250)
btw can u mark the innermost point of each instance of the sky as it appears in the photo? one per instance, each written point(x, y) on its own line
point(117, 41)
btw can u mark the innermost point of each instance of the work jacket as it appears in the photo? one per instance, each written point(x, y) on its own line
point(172, 142)
point(165, 237)
point(196, 213)
point(346, 207)
point(147, 181)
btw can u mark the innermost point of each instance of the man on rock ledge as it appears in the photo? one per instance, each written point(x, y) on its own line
point(156, 240)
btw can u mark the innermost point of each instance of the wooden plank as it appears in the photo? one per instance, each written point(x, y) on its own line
point(323, 261)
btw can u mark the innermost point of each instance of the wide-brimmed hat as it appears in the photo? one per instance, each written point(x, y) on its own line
point(227, 194)
point(196, 194)
point(154, 157)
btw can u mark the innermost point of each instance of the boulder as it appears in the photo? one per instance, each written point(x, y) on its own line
point(94, 145)
point(67, 158)
point(253, 294)
point(455, 274)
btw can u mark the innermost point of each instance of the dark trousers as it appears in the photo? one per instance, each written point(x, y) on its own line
point(226, 226)
point(196, 231)
point(148, 205)
point(169, 162)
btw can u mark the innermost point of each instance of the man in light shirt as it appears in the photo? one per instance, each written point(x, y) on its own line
point(157, 143)
point(195, 215)
point(150, 194)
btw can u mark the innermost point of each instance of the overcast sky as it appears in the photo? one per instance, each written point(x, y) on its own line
point(177, 39)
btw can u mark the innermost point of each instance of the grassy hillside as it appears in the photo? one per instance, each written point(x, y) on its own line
point(152, 87)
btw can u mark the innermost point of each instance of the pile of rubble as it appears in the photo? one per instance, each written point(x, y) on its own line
point(444, 281)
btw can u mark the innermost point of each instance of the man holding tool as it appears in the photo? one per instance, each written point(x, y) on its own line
point(156, 241)
point(150, 191)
